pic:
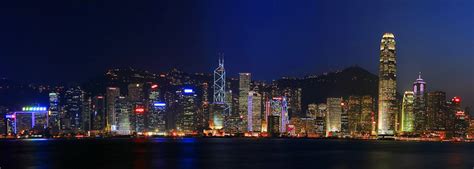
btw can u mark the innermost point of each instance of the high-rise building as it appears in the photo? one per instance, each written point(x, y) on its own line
point(320, 119)
point(221, 106)
point(419, 105)
point(273, 127)
point(244, 88)
point(187, 116)
point(136, 97)
point(368, 119)
point(354, 111)
point(98, 113)
point(135, 92)
point(123, 111)
point(333, 116)
point(155, 117)
point(294, 101)
point(254, 116)
point(112, 93)
point(54, 110)
point(280, 108)
point(87, 113)
point(216, 121)
point(408, 117)
point(459, 118)
point(436, 111)
point(74, 98)
point(387, 86)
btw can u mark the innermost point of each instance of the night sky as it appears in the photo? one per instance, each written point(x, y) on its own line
point(73, 40)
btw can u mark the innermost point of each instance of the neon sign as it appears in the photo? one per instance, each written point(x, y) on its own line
point(34, 109)
point(188, 91)
point(159, 104)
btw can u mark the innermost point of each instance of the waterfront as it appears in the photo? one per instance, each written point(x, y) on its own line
point(240, 153)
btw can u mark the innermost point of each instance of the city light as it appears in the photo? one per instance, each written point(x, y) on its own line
point(34, 109)
point(139, 110)
point(187, 90)
point(159, 104)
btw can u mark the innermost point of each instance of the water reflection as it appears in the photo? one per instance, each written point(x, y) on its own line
point(231, 153)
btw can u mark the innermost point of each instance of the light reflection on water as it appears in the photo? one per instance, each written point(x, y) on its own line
point(231, 153)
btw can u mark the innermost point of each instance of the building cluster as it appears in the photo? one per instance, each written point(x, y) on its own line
point(131, 102)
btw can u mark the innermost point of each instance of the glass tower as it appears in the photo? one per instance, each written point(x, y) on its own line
point(387, 86)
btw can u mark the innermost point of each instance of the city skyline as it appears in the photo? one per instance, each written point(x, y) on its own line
point(77, 40)
point(213, 84)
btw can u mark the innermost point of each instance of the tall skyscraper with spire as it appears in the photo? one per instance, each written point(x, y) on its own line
point(387, 86)
point(219, 107)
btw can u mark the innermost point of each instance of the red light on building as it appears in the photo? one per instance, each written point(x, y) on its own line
point(139, 110)
point(154, 86)
point(456, 99)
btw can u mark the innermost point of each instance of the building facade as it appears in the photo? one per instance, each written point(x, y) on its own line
point(387, 86)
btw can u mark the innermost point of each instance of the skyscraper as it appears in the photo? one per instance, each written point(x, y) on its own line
point(188, 111)
point(387, 86)
point(333, 117)
point(244, 88)
point(155, 117)
point(354, 110)
point(408, 118)
point(136, 96)
point(123, 110)
point(367, 121)
point(54, 112)
point(436, 111)
point(220, 106)
point(98, 113)
point(74, 98)
point(254, 117)
point(112, 93)
point(419, 105)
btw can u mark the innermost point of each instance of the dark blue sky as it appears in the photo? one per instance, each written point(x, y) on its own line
point(73, 40)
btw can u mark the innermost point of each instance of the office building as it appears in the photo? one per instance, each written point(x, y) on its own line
point(333, 116)
point(387, 86)
point(408, 117)
point(244, 88)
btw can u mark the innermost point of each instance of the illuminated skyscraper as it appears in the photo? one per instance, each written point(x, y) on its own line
point(98, 113)
point(408, 117)
point(54, 122)
point(333, 117)
point(112, 93)
point(219, 83)
point(220, 107)
point(419, 110)
point(354, 111)
point(188, 111)
point(254, 117)
point(123, 110)
point(73, 105)
point(368, 120)
point(436, 111)
point(387, 86)
point(244, 88)
point(155, 117)
point(320, 119)
point(136, 96)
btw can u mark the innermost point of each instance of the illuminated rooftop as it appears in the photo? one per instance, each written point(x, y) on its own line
point(388, 35)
